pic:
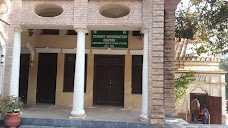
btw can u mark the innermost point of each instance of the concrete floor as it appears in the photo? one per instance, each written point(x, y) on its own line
point(98, 113)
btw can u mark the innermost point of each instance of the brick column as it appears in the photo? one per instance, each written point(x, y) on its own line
point(156, 73)
point(169, 64)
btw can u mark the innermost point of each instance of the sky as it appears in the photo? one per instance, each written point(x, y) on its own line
point(185, 2)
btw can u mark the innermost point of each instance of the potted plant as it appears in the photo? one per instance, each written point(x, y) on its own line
point(11, 106)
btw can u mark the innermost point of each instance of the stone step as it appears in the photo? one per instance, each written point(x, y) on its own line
point(67, 123)
point(33, 126)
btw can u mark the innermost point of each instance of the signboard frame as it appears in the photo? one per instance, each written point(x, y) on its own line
point(109, 39)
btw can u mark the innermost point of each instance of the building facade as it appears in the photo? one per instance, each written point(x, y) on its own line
point(82, 53)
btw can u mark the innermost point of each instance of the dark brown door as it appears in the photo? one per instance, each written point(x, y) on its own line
point(23, 79)
point(109, 80)
point(46, 79)
point(214, 105)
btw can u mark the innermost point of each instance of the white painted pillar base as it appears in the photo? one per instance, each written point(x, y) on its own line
point(144, 114)
point(14, 85)
point(78, 96)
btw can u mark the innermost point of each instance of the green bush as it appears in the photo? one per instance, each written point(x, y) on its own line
point(11, 104)
point(181, 85)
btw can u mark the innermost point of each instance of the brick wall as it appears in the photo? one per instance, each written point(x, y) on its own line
point(31, 19)
point(83, 13)
point(80, 10)
point(132, 21)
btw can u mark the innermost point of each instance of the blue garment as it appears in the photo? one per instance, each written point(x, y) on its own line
point(204, 120)
point(205, 114)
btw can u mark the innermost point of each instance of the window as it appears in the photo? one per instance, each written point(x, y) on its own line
point(69, 70)
point(137, 61)
point(136, 33)
point(71, 32)
point(50, 32)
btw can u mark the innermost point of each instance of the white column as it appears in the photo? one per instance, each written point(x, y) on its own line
point(144, 115)
point(2, 62)
point(78, 96)
point(14, 86)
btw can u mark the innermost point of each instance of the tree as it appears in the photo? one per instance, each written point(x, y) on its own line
point(181, 85)
point(208, 23)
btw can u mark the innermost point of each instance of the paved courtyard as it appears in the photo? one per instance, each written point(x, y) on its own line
point(97, 113)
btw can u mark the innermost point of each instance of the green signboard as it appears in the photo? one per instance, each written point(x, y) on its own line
point(110, 39)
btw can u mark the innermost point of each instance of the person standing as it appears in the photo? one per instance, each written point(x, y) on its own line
point(195, 107)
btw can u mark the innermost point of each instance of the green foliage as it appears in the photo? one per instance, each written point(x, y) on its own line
point(209, 23)
point(185, 24)
point(11, 104)
point(223, 64)
point(181, 85)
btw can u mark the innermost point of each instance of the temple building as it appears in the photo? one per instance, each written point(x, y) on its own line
point(209, 86)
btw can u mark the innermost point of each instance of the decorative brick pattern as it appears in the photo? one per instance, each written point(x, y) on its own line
point(169, 64)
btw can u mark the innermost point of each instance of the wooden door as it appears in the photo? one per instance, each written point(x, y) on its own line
point(109, 80)
point(214, 105)
point(46, 79)
point(23, 79)
point(115, 83)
